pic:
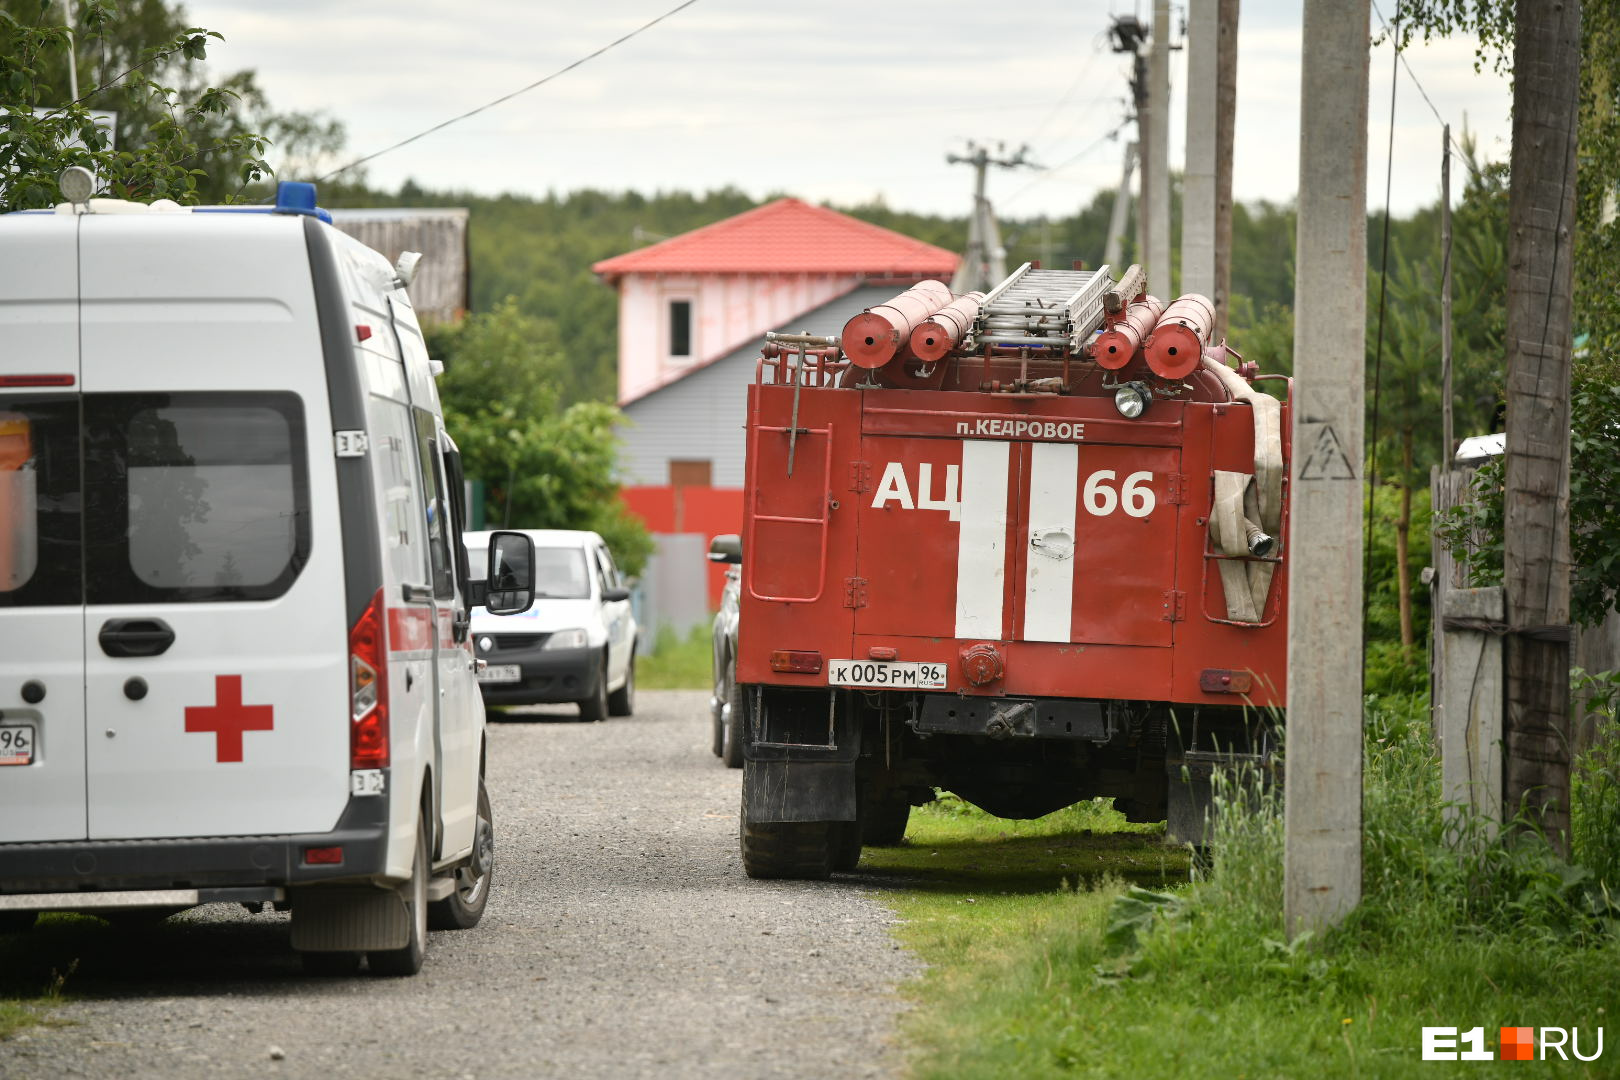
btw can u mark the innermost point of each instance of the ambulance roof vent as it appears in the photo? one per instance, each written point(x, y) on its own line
point(298, 197)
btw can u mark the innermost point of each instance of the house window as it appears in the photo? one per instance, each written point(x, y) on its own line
point(680, 328)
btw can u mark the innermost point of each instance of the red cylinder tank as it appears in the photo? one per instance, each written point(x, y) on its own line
point(1176, 345)
point(943, 332)
point(872, 338)
point(1114, 347)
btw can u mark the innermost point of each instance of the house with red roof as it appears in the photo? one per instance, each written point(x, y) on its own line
point(693, 313)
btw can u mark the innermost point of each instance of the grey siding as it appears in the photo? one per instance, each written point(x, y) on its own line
point(701, 415)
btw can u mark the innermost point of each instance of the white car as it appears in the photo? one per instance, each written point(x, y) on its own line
point(578, 642)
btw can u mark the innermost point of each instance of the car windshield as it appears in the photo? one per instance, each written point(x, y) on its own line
point(560, 573)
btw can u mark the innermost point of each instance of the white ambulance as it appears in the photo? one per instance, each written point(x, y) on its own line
point(234, 651)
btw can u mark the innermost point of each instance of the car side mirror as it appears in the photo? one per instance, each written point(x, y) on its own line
point(509, 585)
point(616, 592)
point(726, 548)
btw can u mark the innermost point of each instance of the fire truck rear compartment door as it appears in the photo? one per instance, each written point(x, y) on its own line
point(1096, 552)
point(995, 539)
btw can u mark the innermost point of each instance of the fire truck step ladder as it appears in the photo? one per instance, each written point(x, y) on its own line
point(1055, 309)
point(821, 524)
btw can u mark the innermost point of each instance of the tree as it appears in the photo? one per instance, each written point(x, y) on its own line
point(182, 138)
point(175, 134)
point(543, 466)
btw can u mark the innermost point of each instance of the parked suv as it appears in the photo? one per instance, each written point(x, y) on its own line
point(724, 708)
point(578, 642)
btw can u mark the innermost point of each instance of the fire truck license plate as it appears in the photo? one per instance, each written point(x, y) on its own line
point(892, 674)
point(17, 744)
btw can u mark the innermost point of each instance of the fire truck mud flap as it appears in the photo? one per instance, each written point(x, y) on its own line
point(775, 791)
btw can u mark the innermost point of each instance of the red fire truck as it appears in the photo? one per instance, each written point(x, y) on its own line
point(1023, 546)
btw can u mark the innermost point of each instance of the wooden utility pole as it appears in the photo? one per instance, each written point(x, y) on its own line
point(1225, 119)
point(1198, 174)
point(1447, 447)
point(1156, 155)
point(1322, 807)
point(1541, 225)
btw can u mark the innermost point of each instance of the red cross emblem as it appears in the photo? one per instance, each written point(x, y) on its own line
point(227, 718)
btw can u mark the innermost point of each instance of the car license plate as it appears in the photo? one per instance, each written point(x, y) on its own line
point(17, 744)
point(501, 673)
point(887, 674)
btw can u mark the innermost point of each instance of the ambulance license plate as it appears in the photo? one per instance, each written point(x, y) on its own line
point(887, 674)
point(501, 673)
point(17, 744)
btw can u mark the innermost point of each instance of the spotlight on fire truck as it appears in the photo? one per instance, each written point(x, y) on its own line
point(1132, 399)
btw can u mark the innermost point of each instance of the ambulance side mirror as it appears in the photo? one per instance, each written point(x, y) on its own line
point(509, 586)
point(726, 548)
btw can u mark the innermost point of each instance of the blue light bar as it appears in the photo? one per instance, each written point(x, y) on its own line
point(298, 197)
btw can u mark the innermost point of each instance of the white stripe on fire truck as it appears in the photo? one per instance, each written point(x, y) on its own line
point(1049, 559)
point(981, 546)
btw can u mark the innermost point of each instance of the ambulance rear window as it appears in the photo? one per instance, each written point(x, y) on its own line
point(39, 502)
point(195, 497)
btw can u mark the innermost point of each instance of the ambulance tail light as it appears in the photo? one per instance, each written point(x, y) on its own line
point(796, 660)
point(368, 685)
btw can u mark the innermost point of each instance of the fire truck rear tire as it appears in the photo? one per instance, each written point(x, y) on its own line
point(883, 821)
point(788, 849)
point(732, 735)
point(846, 853)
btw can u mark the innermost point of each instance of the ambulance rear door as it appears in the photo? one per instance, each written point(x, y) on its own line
point(41, 587)
point(215, 639)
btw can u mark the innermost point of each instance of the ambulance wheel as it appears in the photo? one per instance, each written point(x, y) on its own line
point(883, 821)
point(408, 960)
point(594, 709)
point(462, 909)
point(846, 852)
point(331, 963)
point(622, 702)
point(732, 735)
point(17, 922)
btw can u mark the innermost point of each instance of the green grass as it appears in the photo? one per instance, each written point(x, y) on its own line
point(678, 663)
point(1058, 951)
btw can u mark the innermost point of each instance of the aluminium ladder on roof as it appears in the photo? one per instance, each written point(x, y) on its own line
point(1056, 309)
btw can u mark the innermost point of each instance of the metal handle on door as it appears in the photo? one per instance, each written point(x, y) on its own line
point(135, 637)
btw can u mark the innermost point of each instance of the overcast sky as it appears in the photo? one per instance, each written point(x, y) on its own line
point(836, 100)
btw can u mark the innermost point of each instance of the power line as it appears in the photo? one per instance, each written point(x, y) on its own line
point(1378, 352)
point(1407, 64)
point(1052, 171)
point(508, 97)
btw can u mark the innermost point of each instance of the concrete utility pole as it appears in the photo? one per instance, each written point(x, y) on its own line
point(1198, 174)
point(1114, 249)
point(1322, 804)
point(1156, 155)
point(985, 262)
point(1225, 120)
point(73, 59)
point(1541, 226)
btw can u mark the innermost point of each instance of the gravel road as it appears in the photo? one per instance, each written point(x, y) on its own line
point(621, 940)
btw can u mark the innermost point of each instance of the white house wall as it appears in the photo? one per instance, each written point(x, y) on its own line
point(728, 310)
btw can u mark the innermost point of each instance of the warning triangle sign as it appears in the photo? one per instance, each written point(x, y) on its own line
point(1327, 459)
